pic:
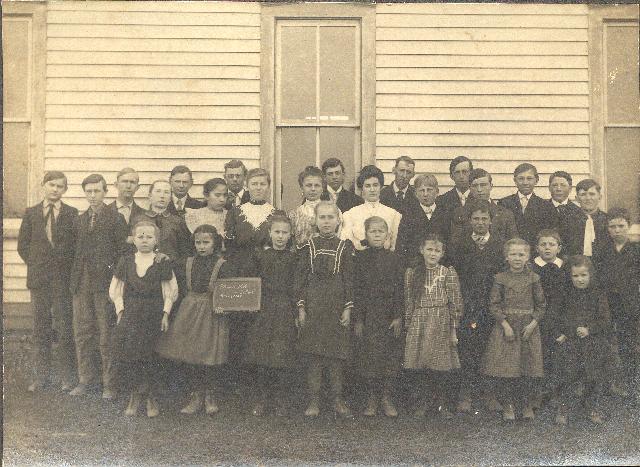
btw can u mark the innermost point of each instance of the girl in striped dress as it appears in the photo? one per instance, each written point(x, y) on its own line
point(433, 309)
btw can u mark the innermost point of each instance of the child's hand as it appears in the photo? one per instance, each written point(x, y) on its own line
point(358, 328)
point(302, 316)
point(345, 319)
point(165, 322)
point(396, 325)
point(561, 339)
point(160, 257)
point(454, 337)
point(528, 330)
point(508, 331)
point(582, 332)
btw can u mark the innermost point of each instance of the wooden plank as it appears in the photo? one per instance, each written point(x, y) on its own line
point(162, 45)
point(483, 153)
point(479, 61)
point(175, 71)
point(153, 85)
point(481, 34)
point(154, 126)
point(484, 87)
point(140, 151)
point(146, 166)
point(479, 48)
point(155, 17)
point(153, 98)
point(149, 31)
point(499, 168)
point(482, 21)
point(171, 139)
point(14, 283)
point(9, 244)
point(154, 112)
point(151, 58)
point(480, 9)
point(11, 257)
point(558, 141)
point(486, 127)
point(177, 7)
point(16, 296)
point(14, 270)
point(481, 74)
point(405, 100)
point(482, 114)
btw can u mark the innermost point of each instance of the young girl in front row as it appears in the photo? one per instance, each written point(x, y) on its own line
point(143, 292)
point(323, 285)
point(433, 311)
point(199, 337)
point(272, 334)
point(514, 350)
point(377, 314)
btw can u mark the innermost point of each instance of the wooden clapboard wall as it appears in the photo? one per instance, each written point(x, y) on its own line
point(500, 83)
point(151, 85)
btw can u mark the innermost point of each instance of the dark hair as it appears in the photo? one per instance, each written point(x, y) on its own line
point(146, 223)
point(553, 233)
point(432, 237)
point(474, 205)
point(309, 171)
point(524, 167)
point(280, 216)
point(331, 163)
point(375, 220)
point(54, 175)
point(367, 172)
point(211, 230)
point(211, 185)
point(479, 173)
point(457, 161)
point(95, 178)
point(579, 261)
point(153, 184)
point(561, 174)
point(406, 159)
point(181, 169)
point(619, 213)
point(587, 184)
point(235, 164)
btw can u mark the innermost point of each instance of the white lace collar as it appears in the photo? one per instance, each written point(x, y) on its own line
point(256, 214)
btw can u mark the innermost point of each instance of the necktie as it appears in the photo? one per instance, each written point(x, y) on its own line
point(92, 220)
point(179, 205)
point(523, 202)
point(589, 236)
point(400, 196)
point(463, 199)
point(428, 211)
point(126, 212)
point(49, 221)
point(480, 240)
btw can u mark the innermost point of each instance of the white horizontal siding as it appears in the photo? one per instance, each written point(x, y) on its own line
point(14, 271)
point(151, 85)
point(500, 83)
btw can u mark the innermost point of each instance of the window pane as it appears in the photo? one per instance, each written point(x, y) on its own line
point(16, 53)
point(623, 99)
point(15, 147)
point(623, 167)
point(337, 73)
point(298, 73)
point(298, 150)
point(339, 142)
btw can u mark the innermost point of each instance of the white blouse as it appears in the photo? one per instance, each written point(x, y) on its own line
point(353, 223)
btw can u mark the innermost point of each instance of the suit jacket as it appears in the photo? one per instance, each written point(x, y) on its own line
point(98, 249)
point(388, 198)
point(503, 223)
point(537, 215)
point(189, 202)
point(46, 262)
point(346, 199)
point(135, 210)
point(414, 225)
point(449, 201)
point(572, 226)
point(175, 238)
point(565, 219)
point(244, 199)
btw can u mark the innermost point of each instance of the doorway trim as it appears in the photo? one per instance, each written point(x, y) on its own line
point(270, 13)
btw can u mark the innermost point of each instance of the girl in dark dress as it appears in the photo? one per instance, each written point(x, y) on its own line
point(378, 307)
point(272, 334)
point(143, 292)
point(323, 285)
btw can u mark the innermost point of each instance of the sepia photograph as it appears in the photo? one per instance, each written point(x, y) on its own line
point(320, 233)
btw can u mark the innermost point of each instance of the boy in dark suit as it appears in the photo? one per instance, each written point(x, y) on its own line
point(101, 240)
point(588, 231)
point(400, 195)
point(531, 213)
point(127, 183)
point(420, 220)
point(334, 173)
point(566, 212)
point(181, 180)
point(459, 170)
point(235, 174)
point(46, 243)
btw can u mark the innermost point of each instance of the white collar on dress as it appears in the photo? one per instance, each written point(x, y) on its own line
point(542, 263)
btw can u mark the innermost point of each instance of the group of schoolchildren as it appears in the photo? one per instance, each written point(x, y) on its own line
point(517, 303)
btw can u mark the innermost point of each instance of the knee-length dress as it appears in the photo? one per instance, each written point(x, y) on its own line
point(324, 286)
point(143, 300)
point(432, 312)
point(517, 297)
point(198, 335)
point(272, 334)
point(378, 300)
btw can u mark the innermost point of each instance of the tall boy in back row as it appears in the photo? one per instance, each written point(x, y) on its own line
point(46, 243)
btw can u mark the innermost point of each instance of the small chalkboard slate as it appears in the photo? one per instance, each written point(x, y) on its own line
point(237, 294)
